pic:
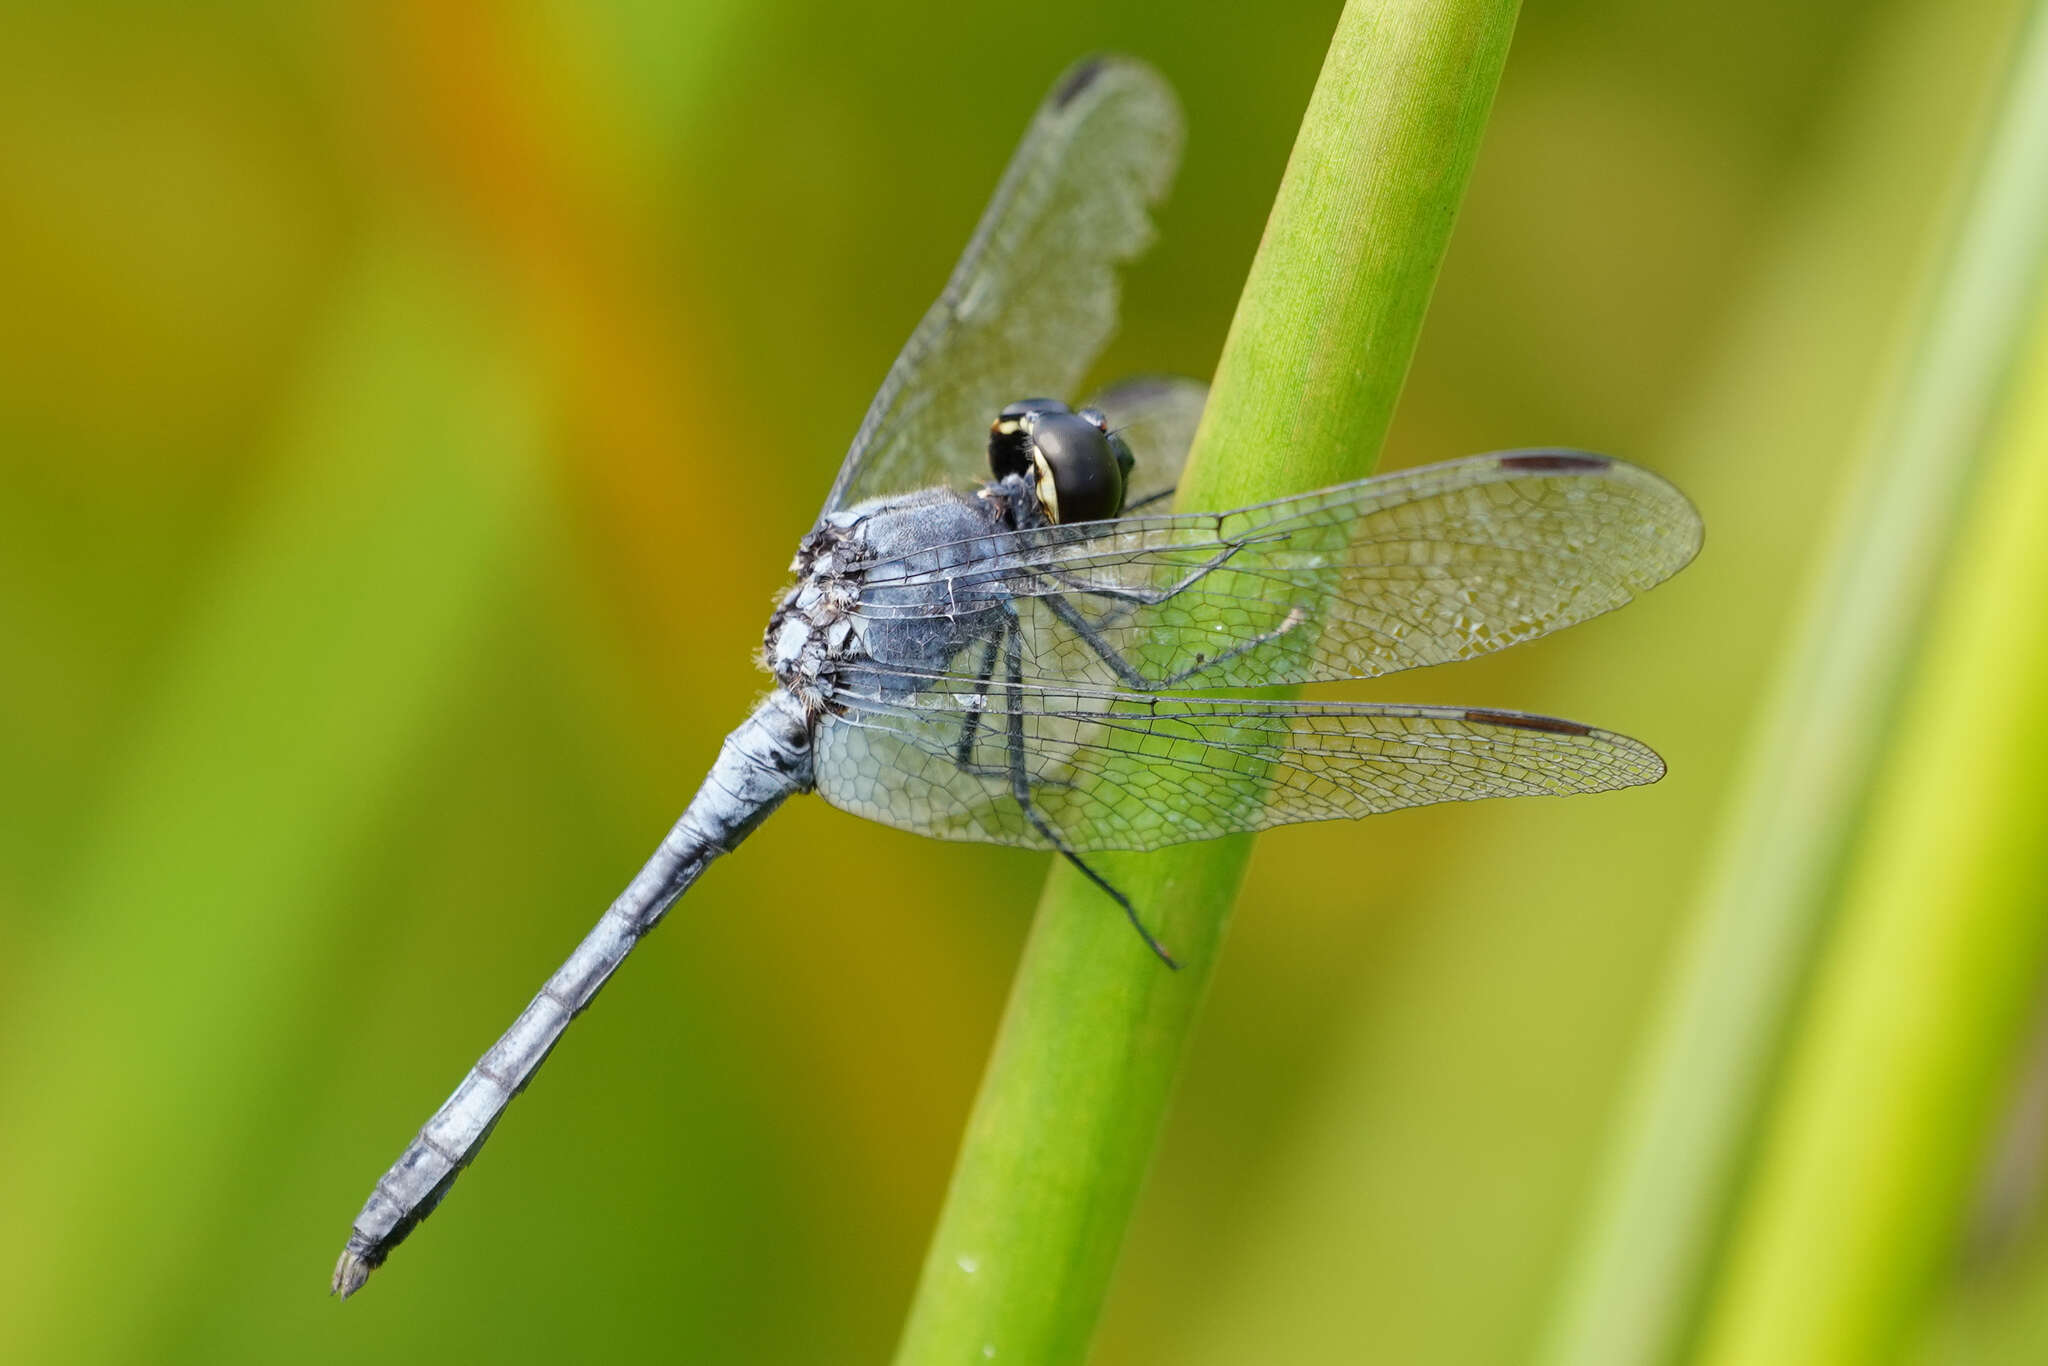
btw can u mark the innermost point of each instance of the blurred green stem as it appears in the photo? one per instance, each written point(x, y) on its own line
point(306, 675)
point(1651, 1256)
point(1924, 999)
point(1077, 1088)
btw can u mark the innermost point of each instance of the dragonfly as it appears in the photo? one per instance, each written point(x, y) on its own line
point(1034, 659)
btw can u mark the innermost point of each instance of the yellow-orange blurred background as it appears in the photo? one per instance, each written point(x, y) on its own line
point(407, 413)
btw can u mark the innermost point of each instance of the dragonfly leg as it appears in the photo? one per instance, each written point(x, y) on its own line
point(1147, 501)
point(1020, 788)
point(1132, 676)
point(970, 729)
point(1148, 597)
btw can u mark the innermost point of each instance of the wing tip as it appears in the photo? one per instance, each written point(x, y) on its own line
point(1105, 77)
point(1646, 766)
point(1689, 527)
point(1649, 764)
point(1099, 68)
point(1078, 78)
point(1556, 461)
point(1521, 720)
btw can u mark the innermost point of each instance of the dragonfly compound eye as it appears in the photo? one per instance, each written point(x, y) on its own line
point(1080, 478)
point(1009, 444)
point(1124, 459)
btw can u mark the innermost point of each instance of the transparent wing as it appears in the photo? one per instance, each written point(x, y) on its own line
point(1034, 297)
point(1157, 415)
point(1113, 770)
point(1422, 567)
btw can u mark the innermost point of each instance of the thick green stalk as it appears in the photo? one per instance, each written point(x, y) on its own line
point(1639, 1286)
point(1070, 1109)
point(1925, 998)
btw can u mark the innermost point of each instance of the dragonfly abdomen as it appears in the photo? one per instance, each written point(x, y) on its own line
point(762, 762)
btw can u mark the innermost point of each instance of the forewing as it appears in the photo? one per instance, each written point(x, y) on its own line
point(1034, 297)
point(1157, 415)
point(1130, 771)
point(1422, 567)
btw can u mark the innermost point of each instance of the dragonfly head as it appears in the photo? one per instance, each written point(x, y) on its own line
point(1075, 463)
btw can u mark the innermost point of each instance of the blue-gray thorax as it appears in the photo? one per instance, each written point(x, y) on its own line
point(839, 635)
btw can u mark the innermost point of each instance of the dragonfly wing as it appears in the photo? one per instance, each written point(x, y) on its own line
point(1034, 297)
point(1422, 567)
point(1115, 770)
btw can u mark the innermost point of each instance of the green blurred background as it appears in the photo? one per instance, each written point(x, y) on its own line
point(407, 413)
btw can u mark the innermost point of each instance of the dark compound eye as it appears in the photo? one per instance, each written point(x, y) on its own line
point(1024, 406)
point(1124, 460)
point(1009, 445)
point(1080, 478)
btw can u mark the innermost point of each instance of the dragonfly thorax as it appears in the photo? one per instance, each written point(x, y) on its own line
point(815, 621)
point(871, 583)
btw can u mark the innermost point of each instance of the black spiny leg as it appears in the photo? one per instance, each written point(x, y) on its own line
point(1129, 673)
point(970, 729)
point(1020, 788)
point(1147, 501)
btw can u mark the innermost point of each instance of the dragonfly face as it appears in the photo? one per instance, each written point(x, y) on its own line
point(1075, 464)
point(1053, 660)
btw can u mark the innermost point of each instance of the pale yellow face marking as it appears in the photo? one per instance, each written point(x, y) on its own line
point(1048, 494)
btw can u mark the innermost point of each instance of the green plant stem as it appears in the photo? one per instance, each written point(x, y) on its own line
point(1650, 1260)
point(1077, 1088)
point(1926, 995)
